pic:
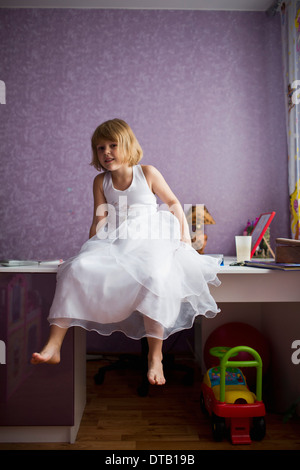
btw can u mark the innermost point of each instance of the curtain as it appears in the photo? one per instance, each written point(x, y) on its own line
point(290, 29)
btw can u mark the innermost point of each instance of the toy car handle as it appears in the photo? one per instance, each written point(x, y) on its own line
point(226, 363)
point(219, 351)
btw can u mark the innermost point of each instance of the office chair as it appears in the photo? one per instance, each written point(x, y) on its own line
point(127, 361)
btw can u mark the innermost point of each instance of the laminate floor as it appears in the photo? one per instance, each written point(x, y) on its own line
point(168, 418)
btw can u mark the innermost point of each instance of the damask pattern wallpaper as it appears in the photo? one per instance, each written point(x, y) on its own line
point(203, 92)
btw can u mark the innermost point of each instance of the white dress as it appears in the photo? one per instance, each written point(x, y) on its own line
point(135, 275)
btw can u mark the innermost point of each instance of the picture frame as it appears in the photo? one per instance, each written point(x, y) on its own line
point(260, 229)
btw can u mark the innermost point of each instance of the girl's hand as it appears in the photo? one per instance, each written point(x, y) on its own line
point(162, 190)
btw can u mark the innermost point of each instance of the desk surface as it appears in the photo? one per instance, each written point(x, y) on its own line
point(238, 283)
point(52, 266)
point(43, 267)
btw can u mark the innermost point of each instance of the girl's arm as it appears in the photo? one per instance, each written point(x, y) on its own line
point(100, 203)
point(160, 187)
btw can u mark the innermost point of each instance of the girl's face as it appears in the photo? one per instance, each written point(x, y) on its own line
point(110, 155)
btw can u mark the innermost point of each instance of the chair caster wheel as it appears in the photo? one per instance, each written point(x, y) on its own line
point(99, 378)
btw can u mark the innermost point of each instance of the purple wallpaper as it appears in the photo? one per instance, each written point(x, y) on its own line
point(202, 91)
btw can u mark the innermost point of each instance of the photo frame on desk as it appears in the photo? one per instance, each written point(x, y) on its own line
point(260, 229)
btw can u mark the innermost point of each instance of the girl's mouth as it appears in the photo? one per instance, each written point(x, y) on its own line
point(108, 160)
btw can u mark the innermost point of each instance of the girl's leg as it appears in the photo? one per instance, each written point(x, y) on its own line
point(51, 351)
point(155, 369)
point(154, 330)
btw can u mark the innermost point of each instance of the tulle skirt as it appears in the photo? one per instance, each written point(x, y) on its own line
point(138, 278)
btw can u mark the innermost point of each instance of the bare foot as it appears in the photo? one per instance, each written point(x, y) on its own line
point(47, 355)
point(51, 351)
point(155, 372)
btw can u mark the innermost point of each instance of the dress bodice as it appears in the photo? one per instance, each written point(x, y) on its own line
point(137, 194)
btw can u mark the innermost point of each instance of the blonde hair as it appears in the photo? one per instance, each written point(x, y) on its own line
point(116, 130)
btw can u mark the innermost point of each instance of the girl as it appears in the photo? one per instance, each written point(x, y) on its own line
point(137, 273)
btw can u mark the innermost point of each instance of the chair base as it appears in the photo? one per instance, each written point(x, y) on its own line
point(131, 361)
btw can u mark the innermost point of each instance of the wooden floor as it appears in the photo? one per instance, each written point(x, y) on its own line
point(169, 418)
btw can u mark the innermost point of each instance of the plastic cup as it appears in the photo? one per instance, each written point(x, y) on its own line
point(243, 248)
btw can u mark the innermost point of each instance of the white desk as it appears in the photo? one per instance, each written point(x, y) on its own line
point(245, 284)
point(41, 403)
point(266, 298)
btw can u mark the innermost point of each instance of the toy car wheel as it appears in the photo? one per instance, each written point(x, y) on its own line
point(258, 429)
point(218, 427)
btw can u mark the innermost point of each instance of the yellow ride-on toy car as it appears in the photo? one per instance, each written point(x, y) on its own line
point(226, 397)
